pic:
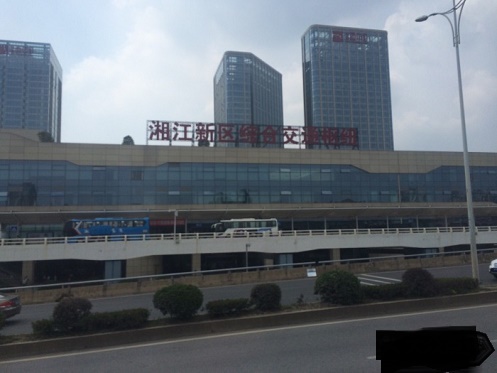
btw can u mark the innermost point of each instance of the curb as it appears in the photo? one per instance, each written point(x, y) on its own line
point(168, 332)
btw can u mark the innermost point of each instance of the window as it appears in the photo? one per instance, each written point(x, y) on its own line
point(136, 175)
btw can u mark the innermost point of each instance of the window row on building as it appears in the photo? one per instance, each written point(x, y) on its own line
point(62, 183)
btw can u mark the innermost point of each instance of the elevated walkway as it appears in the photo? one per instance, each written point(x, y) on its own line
point(126, 247)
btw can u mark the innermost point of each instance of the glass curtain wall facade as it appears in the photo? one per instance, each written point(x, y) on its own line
point(248, 91)
point(62, 183)
point(30, 87)
point(347, 83)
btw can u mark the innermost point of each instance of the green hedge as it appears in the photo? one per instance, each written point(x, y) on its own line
point(442, 286)
point(118, 320)
point(384, 292)
point(181, 301)
point(225, 307)
point(44, 328)
point(419, 283)
point(460, 285)
point(99, 321)
point(266, 297)
point(69, 313)
point(338, 287)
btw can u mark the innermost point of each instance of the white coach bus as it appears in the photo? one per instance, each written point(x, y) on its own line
point(240, 227)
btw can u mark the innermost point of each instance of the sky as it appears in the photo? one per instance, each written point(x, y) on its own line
point(128, 61)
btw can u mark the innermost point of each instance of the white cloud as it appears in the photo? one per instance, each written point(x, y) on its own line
point(480, 96)
point(143, 80)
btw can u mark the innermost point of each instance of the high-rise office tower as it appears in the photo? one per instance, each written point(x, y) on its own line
point(248, 92)
point(30, 87)
point(347, 83)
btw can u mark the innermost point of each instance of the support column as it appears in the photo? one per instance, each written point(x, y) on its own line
point(285, 259)
point(28, 272)
point(269, 260)
point(196, 262)
point(335, 254)
point(113, 269)
point(149, 265)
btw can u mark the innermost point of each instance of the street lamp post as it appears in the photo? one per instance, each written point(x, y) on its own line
point(175, 217)
point(247, 245)
point(456, 10)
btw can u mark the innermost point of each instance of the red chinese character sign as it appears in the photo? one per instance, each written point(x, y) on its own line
point(212, 134)
point(18, 50)
point(350, 37)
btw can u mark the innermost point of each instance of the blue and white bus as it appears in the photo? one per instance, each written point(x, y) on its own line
point(116, 227)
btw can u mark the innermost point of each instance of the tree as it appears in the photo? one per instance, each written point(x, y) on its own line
point(128, 140)
point(45, 136)
point(70, 312)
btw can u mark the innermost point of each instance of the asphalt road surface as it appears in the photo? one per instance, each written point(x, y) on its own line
point(341, 346)
point(291, 290)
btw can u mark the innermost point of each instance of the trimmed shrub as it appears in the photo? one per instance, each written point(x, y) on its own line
point(384, 292)
point(451, 286)
point(225, 307)
point(266, 297)
point(181, 301)
point(43, 328)
point(69, 313)
point(117, 320)
point(338, 287)
point(419, 283)
point(99, 321)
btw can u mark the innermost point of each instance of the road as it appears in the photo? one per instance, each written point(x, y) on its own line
point(291, 290)
point(340, 346)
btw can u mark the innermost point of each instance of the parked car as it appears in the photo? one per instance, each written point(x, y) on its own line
point(492, 268)
point(10, 305)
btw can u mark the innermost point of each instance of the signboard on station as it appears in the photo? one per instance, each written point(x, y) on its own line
point(213, 134)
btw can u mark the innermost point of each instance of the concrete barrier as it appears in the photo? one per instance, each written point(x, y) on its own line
point(33, 295)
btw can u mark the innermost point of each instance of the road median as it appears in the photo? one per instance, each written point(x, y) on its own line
point(19, 350)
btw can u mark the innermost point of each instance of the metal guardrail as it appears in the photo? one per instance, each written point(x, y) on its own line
point(197, 236)
point(235, 270)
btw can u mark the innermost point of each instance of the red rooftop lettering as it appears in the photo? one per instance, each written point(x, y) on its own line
point(225, 133)
point(158, 130)
point(291, 135)
point(249, 133)
point(182, 131)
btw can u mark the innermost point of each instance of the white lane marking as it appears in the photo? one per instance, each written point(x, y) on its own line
point(380, 277)
point(373, 281)
point(367, 283)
